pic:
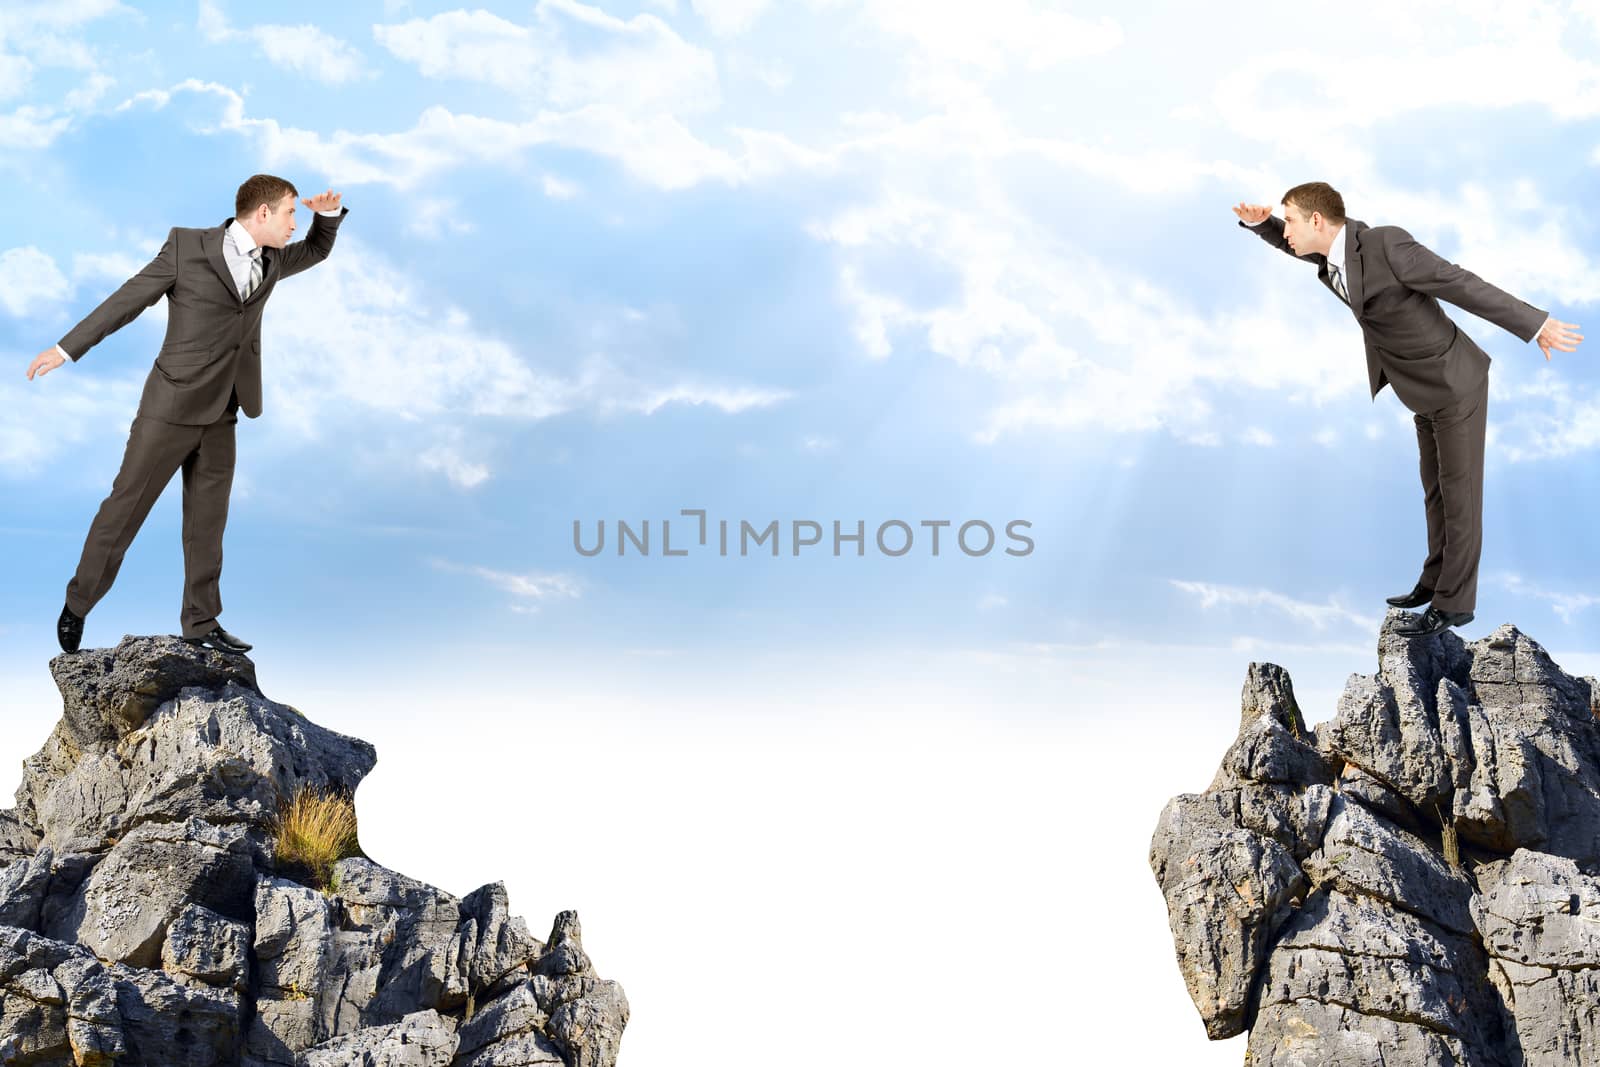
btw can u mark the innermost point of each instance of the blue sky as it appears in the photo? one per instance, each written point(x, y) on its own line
point(829, 261)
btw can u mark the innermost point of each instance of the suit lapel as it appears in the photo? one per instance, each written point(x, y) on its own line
point(212, 242)
point(1352, 261)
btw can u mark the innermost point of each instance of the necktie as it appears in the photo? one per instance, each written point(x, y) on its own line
point(255, 274)
point(1338, 283)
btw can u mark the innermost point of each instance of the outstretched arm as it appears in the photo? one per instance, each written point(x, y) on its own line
point(1420, 269)
point(115, 311)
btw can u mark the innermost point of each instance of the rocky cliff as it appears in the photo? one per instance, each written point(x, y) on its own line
point(1415, 881)
point(147, 920)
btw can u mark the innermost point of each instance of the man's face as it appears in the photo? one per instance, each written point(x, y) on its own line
point(1297, 229)
point(276, 225)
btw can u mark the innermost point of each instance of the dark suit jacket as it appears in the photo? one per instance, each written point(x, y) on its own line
point(1395, 286)
point(213, 342)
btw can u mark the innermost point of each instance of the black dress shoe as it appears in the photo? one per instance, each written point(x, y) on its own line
point(69, 630)
point(1433, 622)
point(1414, 599)
point(221, 640)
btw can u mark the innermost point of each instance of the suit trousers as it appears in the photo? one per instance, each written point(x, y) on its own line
point(156, 449)
point(1450, 442)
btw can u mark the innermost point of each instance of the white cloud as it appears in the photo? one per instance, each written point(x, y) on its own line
point(774, 75)
point(559, 188)
point(42, 30)
point(1053, 324)
point(1566, 605)
point(572, 56)
point(92, 268)
point(530, 590)
point(303, 49)
point(1551, 417)
point(31, 127)
point(657, 149)
point(447, 460)
point(39, 35)
point(22, 19)
point(731, 401)
point(996, 36)
point(15, 74)
point(30, 281)
point(728, 18)
point(307, 50)
point(361, 336)
point(1516, 57)
point(90, 91)
point(1255, 435)
point(52, 415)
point(1319, 616)
point(432, 218)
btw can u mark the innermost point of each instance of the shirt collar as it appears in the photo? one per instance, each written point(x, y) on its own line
point(1336, 252)
point(241, 238)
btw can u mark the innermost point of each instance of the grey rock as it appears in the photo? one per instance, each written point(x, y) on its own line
point(207, 947)
point(516, 1012)
point(421, 1039)
point(57, 1002)
point(166, 1021)
point(587, 1020)
point(293, 943)
point(1374, 795)
point(1539, 917)
point(24, 886)
point(399, 949)
point(1227, 890)
point(145, 920)
point(1227, 861)
point(62, 911)
point(1536, 783)
point(1362, 854)
point(107, 693)
point(1273, 745)
point(152, 875)
point(228, 757)
point(583, 1015)
point(1392, 733)
point(524, 1050)
point(501, 943)
point(18, 840)
point(1433, 898)
point(1347, 972)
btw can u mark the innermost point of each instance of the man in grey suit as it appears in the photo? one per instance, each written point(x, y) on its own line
point(216, 282)
point(1394, 285)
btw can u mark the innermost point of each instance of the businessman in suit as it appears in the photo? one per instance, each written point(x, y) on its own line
point(1393, 285)
point(216, 282)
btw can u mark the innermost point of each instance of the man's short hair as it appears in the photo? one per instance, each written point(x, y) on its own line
point(261, 189)
point(1317, 196)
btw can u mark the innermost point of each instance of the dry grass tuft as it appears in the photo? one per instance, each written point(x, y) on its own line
point(315, 830)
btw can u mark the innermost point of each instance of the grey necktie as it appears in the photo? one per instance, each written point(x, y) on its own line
point(255, 274)
point(1338, 283)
